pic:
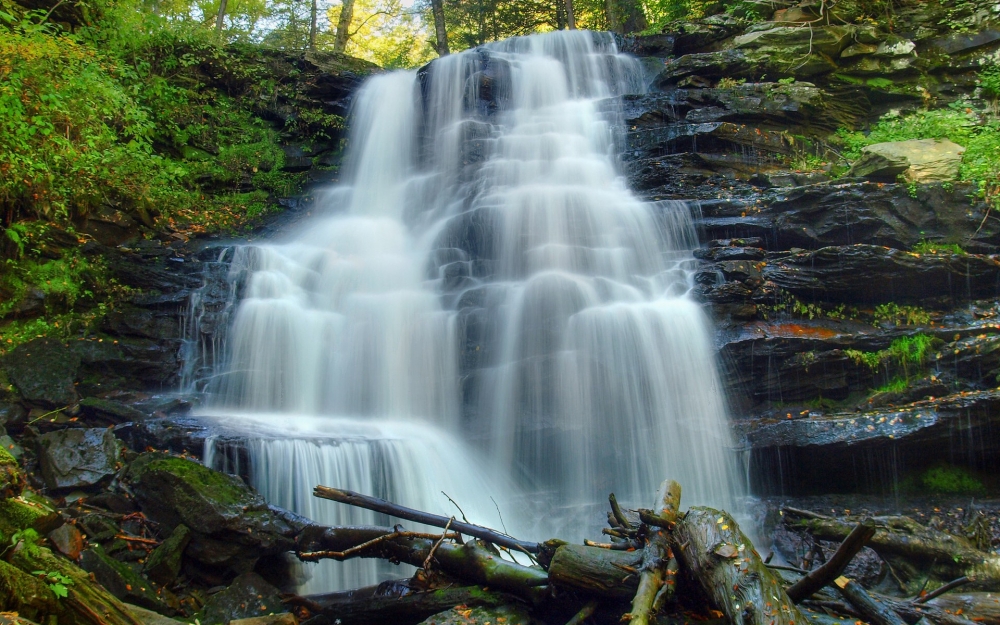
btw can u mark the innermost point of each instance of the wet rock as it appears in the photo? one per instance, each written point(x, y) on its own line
point(12, 414)
point(78, 458)
point(875, 274)
point(142, 323)
point(31, 304)
point(67, 540)
point(120, 580)
point(127, 363)
point(275, 619)
point(507, 614)
point(12, 480)
point(43, 371)
point(795, 41)
point(105, 412)
point(248, 596)
point(870, 449)
point(28, 510)
point(164, 563)
point(232, 527)
point(717, 254)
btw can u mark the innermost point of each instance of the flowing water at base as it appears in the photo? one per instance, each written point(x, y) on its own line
point(484, 309)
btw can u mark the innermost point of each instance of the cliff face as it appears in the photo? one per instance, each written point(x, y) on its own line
point(854, 298)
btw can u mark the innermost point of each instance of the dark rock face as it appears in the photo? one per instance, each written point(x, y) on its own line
point(78, 458)
point(43, 371)
point(232, 527)
point(248, 596)
point(876, 274)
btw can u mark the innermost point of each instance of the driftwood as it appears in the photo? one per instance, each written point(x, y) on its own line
point(599, 572)
point(381, 505)
point(402, 605)
point(472, 561)
point(656, 554)
point(874, 611)
point(648, 553)
point(832, 568)
point(711, 549)
point(914, 550)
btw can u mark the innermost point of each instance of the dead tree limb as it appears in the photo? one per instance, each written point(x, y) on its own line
point(712, 550)
point(371, 606)
point(386, 507)
point(915, 550)
point(656, 554)
point(983, 606)
point(472, 562)
point(937, 592)
point(825, 574)
point(876, 612)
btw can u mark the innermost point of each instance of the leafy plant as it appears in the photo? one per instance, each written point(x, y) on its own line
point(933, 247)
point(896, 385)
point(892, 313)
point(57, 582)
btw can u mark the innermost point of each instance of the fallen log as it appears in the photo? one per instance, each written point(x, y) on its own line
point(600, 572)
point(372, 606)
point(472, 561)
point(914, 550)
point(386, 507)
point(984, 606)
point(874, 611)
point(832, 568)
point(712, 550)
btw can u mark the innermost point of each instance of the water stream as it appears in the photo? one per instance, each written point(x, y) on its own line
point(483, 308)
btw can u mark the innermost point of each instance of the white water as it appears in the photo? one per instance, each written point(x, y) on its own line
point(484, 309)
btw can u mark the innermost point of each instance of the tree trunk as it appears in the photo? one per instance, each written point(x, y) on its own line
point(611, 13)
point(440, 32)
point(712, 550)
point(596, 571)
point(220, 18)
point(874, 611)
point(656, 555)
point(632, 16)
point(312, 25)
point(344, 26)
point(570, 17)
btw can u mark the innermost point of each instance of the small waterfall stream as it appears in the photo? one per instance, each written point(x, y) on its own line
point(483, 309)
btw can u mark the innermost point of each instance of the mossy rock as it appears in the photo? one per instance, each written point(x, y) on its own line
point(164, 563)
point(120, 579)
point(248, 596)
point(231, 524)
point(28, 512)
point(461, 615)
point(25, 594)
point(11, 477)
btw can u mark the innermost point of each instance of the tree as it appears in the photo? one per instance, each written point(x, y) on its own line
point(312, 25)
point(570, 18)
point(344, 26)
point(441, 34)
point(383, 32)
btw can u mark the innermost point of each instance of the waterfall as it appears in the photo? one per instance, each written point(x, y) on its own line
point(483, 308)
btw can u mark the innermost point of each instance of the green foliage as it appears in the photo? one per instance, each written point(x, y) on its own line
point(977, 131)
point(893, 314)
point(989, 81)
point(949, 479)
point(905, 351)
point(933, 247)
point(896, 385)
point(386, 34)
point(730, 83)
point(57, 582)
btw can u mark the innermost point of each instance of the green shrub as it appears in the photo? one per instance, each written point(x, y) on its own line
point(948, 479)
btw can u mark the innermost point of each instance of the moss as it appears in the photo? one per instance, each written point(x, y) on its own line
point(20, 514)
point(949, 479)
point(218, 486)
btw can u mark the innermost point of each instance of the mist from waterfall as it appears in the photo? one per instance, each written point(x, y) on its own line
point(483, 308)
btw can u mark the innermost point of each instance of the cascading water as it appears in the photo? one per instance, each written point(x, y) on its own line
point(484, 309)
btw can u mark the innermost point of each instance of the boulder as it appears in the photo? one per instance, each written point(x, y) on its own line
point(164, 563)
point(918, 160)
point(67, 540)
point(12, 480)
point(106, 412)
point(232, 527)
point(248, 596)
point(510, 614)
point(43, 371)
point(801, 41)
point(148, 617)
point(77, 458)
point(120, 580)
